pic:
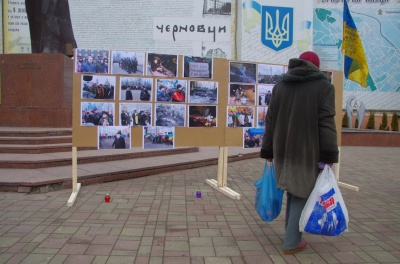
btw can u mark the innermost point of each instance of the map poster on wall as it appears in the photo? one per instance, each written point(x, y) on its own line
point(15, 28)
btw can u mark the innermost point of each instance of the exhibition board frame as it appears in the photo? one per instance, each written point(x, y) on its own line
point(220, 136)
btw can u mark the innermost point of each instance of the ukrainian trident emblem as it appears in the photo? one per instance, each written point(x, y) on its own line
point(277, 27)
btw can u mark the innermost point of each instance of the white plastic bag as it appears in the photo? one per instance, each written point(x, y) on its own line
point(325, 212)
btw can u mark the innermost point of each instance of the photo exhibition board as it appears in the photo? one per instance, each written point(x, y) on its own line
point(187, 135)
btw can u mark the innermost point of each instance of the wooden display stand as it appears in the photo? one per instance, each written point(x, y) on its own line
point(220, 136)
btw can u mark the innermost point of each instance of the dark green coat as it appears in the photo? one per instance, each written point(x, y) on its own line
point(300, 128)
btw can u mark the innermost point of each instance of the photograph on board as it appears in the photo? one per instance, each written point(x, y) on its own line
point(252, 137)
point(127, 62)
point(114, 137)
point(89, 60)
point(242, 72)
point(261, 114)
point(171, 90)
point(97, 114)
point(135, 89)
point(135, 114)
point(170, 115)
point(264, 92)
point(203, 92)
point(98, 87)
point(240, 116)
point(202, 116)
point(158, 137)
point(241, 94)
point(270, 73)
point(162, 65)
point(197, 67)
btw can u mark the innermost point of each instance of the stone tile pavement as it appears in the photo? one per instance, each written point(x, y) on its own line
point(158, 219)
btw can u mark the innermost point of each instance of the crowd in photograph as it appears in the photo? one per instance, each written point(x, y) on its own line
point(98, 91)
point(94, 117)
point(90, 64)
point(135, 118)
point(130, 65)
point(241, 118)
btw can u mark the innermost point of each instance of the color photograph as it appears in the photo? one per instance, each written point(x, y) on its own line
point(114, 137)
point(95, 61)
point(261, 113)
point(170, 115)
point(136, 89)
point(202, 116)
point(240, 116)
point(158, 137)
point(127, 62)
point(329, 74)
point(252, 137)
point(135, 114)
point(197, 67)
point(242, 72)
point(162, 65)
point(169, 90)
point(264, 94)
point(97, 114)
point(203, 92)
point(270, 73)
point(98, 87)
point(241, 94)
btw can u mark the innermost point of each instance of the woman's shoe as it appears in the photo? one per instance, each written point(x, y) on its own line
point(302, 246)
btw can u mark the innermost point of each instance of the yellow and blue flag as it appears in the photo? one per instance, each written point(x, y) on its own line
point(355, 62)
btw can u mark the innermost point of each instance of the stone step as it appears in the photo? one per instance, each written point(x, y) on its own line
point(34, 140)
point(18, 161)
point(39, 149)
point(34, 132)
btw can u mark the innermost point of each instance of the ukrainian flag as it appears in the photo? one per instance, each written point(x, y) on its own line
point(355, 62)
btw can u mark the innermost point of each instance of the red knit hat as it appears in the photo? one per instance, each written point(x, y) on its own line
point(311, 57)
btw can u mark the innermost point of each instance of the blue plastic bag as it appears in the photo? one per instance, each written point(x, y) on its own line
point(325, 212)
point(268, 199)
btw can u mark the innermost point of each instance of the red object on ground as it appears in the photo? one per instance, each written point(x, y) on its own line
point(107, 198)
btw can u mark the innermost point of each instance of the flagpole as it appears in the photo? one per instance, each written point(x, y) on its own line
point(336, 167)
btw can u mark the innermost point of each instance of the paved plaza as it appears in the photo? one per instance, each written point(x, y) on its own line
point(158, 219)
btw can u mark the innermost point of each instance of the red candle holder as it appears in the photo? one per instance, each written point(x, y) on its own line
point(107, 198)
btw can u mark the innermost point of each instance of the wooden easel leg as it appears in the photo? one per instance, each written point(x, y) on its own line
point(75, 185)
point(220, 185)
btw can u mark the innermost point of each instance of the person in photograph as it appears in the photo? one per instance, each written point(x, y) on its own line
point(162, 95)
point(124, 118)
point(135, 117)
point(101, 66)
point(119, 141)
point(79, 64)
point(105, 120)
point(144, 94)
point(178, 95)
point(93, 117)
point(128, 94)
point(156, 66)
point(238, 94)
point(231, 119)
point(88, 65)
point(268, 98)
point(307, 126)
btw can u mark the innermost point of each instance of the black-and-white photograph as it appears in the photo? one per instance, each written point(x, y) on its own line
point(98, 87)
point(158, 137)
point(97, 114)
point(217, 7)
point(136, 89)
point(162, 65)
point(197, 67)
point(114, 137)
point(264, 94)
point(170, 115)
point(241, 94)
point(95, 61)
point(242, 72)
point(203, 92)
point(135, 114)
point(170, 90)
point(127, 62)
point(202, 116)
point(252, 137)
point(270, 73)
point(261, 114)
point(240, 116)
